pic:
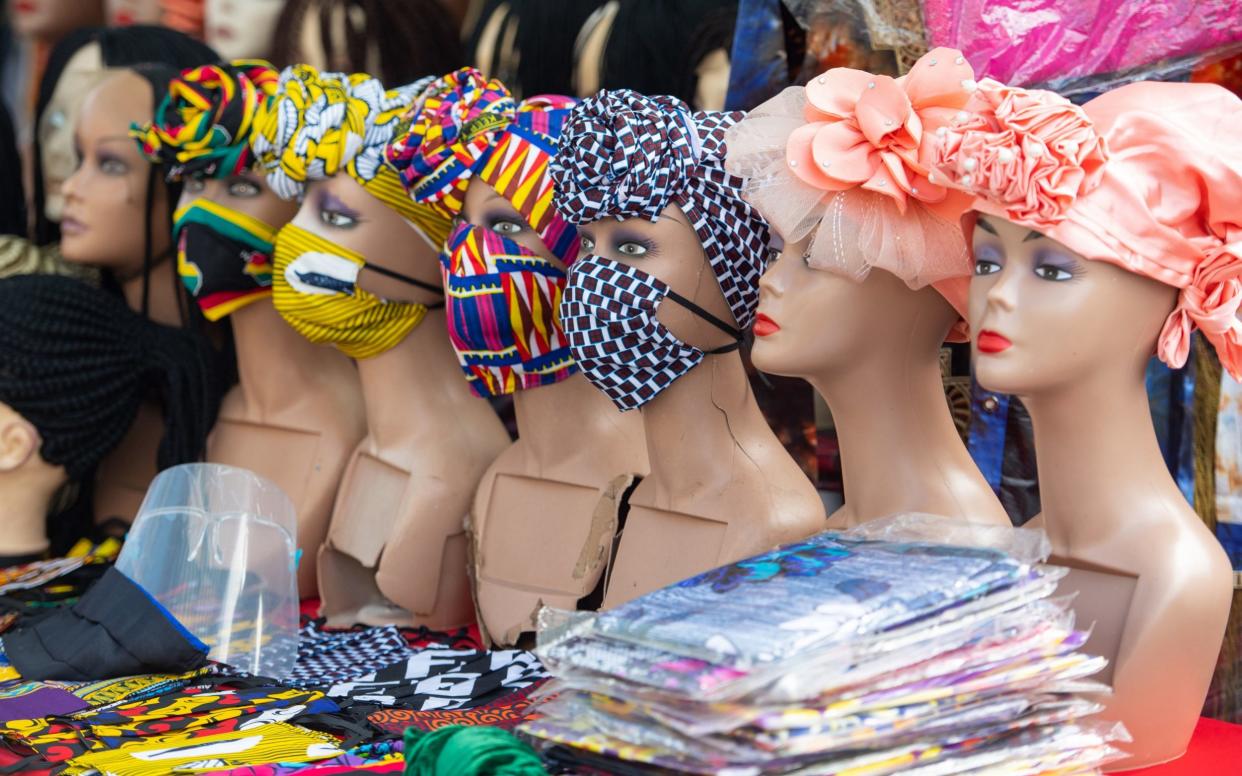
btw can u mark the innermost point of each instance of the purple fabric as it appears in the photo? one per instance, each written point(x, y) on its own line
point(1023, 42)
point(33, 700)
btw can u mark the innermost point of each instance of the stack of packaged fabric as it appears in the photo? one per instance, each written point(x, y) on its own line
point(853, 653)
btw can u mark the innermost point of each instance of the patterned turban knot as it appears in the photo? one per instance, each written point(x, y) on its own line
point(627, 155)
point(320, 124)
point(202, 126)
point(466, 125)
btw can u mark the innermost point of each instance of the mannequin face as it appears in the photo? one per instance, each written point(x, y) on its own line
point(50, 20)
point(241, 29)
point(812, 322)
point(1043, 317)
point(713, 87)
point(670, 251)
point(340, 209)
point(83, 72)
point(105, 198)
point(246, 193)
point(482, 206)
point(122, 13)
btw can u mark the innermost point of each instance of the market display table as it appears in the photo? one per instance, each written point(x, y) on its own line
point(1215, 750)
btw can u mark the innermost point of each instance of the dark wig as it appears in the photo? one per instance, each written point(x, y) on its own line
point(413, 38)
point(12, 197)
point(529, 44)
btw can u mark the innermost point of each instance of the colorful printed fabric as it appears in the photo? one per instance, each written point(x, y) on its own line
point(626, 155)
point(443, 679)
point(506, 712)
point(188, 714)
point(315, 289)
point(321, 124)
point(133, 688)
point(40, 572)
point(368, 758)
point(324, 657)
point(465, 125)
point(202, 126)
point(251, 745)
point(503, 303)
point(224, 256)
point(1229, 470)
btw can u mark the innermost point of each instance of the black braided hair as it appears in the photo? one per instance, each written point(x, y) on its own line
point(76, 363)
point(119, 47)
point(413, 38)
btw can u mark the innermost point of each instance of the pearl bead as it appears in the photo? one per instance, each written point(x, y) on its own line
point(931, 63)
point(970, 164)
point(959, 61)
point(825, 165)
point(967, 180)
point(888, 122)
point(970, 84)
point(871, 85)
point(942, 131)
point(1005, 155)
point(793, 162)
point(961, 116)
point(822, 80)
point(1035, 152)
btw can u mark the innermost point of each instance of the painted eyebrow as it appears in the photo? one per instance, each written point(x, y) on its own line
point(1032, 235)
point(983, 224)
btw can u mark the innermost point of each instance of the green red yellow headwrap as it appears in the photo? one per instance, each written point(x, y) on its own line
point(202, 127)
point(320, 124)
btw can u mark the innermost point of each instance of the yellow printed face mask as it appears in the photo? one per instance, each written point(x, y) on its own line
point(315, 289)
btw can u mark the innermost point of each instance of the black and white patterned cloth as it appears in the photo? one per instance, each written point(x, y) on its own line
point(442, 679)
point(624, 154)
point(325, 657)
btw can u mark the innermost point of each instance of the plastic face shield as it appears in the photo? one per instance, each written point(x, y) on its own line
point(217, 546)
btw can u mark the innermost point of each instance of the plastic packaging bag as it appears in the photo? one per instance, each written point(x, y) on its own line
point(216, 545)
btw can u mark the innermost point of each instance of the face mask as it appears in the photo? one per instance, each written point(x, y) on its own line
point(503, 313)
point(315, 290)
point(609, 315)
point(224, 257)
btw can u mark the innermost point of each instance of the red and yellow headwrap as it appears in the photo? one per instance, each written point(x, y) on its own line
point(202, 127)
point(466, 125)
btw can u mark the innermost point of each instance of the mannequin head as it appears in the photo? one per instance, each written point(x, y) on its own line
point(123, 13)
point(246, 192)
point(340, 210)
point(20, 460)
point(76, 65)
point(118, 213)
point(50, 20)
point(814, 323)
point(1122, 213)
point(242, 29)
point(398, 41)
point(1068, 319)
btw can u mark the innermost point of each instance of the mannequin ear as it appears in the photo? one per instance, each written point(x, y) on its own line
point(19, 440)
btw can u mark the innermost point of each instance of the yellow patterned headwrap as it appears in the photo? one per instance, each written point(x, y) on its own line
point(320, 124)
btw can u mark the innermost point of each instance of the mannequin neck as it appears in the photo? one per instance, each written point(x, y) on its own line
point(162, 295)
point(26, 497)
point(893, 425)
point(573, 408)
point(1096, 452)
point(692, 424)
point(273, 359)
point(407, 386)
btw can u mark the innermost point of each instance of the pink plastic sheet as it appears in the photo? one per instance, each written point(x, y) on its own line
point(1049, 42)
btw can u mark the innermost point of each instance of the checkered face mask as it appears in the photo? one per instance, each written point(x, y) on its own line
point(609, 315)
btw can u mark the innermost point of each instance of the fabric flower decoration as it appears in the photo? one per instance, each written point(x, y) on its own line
point(1210, 303)
point(1029, 151)
point(202, 127)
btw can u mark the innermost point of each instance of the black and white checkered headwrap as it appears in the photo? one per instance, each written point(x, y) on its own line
point(627, 155)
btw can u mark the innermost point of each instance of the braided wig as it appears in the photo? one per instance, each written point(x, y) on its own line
point(76, 363)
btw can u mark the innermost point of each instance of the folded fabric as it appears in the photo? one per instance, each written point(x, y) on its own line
point(159, 755)
point(326, 657)
point(381, 757)
point(115, 629)
point(506, 713)
point(37, 699)
point(443, 679)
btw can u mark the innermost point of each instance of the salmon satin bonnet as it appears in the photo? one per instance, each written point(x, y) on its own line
point(849, 158)
point(1147, 177)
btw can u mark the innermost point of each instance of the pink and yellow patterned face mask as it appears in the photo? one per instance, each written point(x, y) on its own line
point(503, 309)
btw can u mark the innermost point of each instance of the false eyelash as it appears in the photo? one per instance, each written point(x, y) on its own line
point(1074, 267)
point(621, 238)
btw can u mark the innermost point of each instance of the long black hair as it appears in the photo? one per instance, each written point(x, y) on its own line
point(12, 197)
point(529, 44)
point(413, 38)
point(119, 47)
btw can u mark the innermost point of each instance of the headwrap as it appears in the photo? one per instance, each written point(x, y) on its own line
point(202, 125)
point(320, 124)
point(848, 156)
point(1147, 177)
point(466, 125)
point(624, 154)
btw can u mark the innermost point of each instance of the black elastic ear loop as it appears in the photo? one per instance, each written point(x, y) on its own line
point(435, 289)
point(732, 331)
